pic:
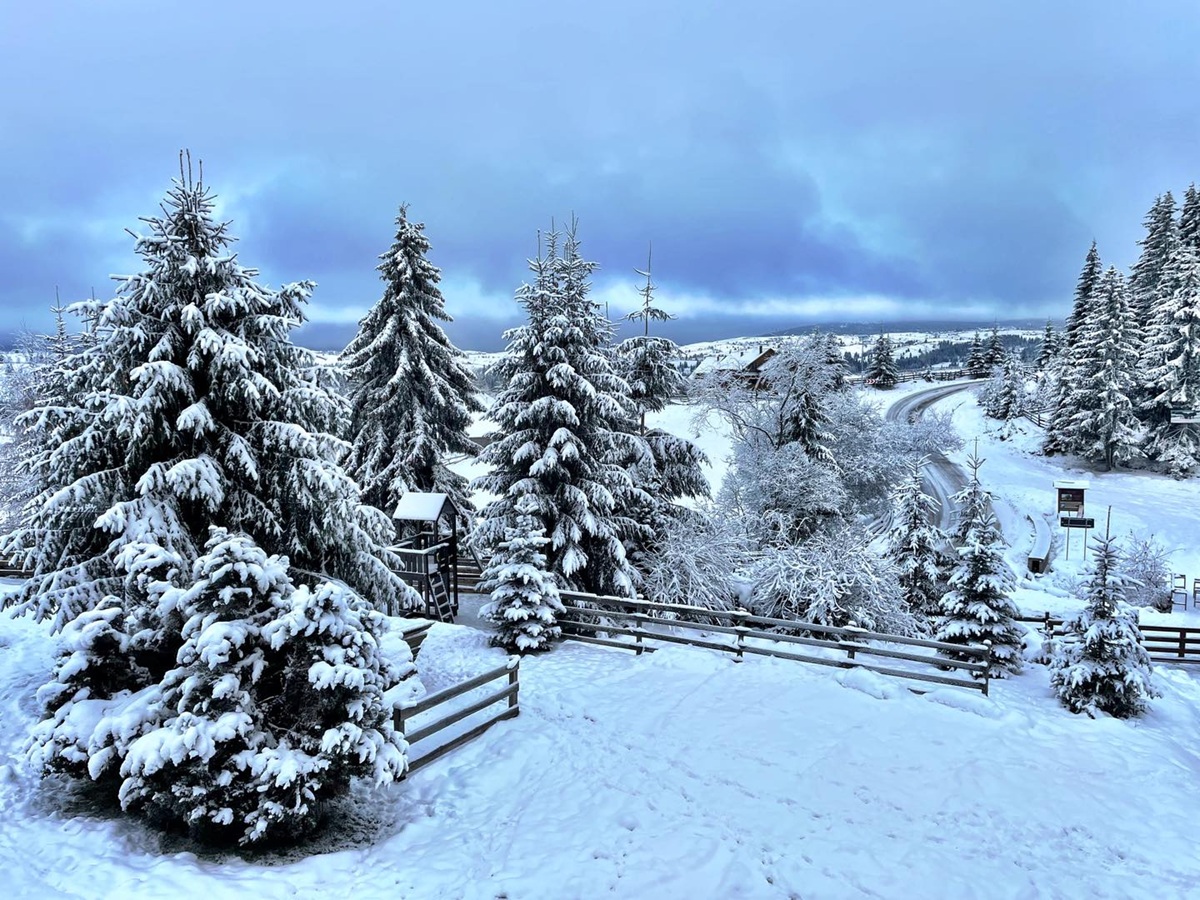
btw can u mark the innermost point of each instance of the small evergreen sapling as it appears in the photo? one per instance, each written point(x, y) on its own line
point(914, 544)
point(977, 608)
point(525, 604)
point(1100, 665)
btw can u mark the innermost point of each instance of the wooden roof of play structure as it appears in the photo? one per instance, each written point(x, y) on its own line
point(418, 507)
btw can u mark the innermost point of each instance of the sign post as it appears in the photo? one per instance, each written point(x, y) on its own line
point(1070, 511)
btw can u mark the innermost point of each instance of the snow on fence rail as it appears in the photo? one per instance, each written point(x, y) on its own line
point(1164, 643)
point(414, 732)
point(631, 618)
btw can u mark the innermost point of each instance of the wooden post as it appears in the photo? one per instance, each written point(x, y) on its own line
point(1182, 642)
point(740, 634)
point(987, 665)
point(513, 669)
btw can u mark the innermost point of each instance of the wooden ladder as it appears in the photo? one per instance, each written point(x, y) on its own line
point(441, 607)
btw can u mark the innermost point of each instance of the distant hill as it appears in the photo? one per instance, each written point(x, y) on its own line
point(929, 326)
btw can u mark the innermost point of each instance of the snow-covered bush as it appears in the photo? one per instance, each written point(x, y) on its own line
point(1144, 567)
point(525, 604)
point(831, 580)
point(781, 495)
point(977, 608)
point(697, 562)
point(1100, 664)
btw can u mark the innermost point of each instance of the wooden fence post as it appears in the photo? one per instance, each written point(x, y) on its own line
point(740, 633)
point(514, 666)
point(987, 666)
point(1182, 643)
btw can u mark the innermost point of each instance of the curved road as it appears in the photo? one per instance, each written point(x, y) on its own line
point(943, 479)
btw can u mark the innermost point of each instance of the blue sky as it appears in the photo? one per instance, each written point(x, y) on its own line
point(790, 161)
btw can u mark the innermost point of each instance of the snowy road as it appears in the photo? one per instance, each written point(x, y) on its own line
point(943, 478)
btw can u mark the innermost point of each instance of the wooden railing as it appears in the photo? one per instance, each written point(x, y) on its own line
point(415, 732)
point(632, 619)
point(1164, 643)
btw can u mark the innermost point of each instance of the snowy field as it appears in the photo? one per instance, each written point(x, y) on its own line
point(685, 774)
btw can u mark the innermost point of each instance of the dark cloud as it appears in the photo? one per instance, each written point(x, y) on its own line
point(937, 154)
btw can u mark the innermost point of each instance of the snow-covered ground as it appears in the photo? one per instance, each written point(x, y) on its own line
point(685, 774)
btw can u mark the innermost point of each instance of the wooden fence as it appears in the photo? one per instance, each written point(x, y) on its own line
point(1164, 643)
point(416, 732)
point(633, 619)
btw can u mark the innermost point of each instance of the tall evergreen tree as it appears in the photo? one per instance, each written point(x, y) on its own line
point(976, 367)
point(564, 421)
point(882, 370)
point(1171, 368)
point(1100, 664)
point(1189, 219)
point(1102, 425)
point(977, 608)
point(1048, 348)
point(1065, 372)
point(663, 466)
point(1162, 237)
point(914, 544)
point(411, 396)
point(994, 355)
point(525, 603)
point(192, 408)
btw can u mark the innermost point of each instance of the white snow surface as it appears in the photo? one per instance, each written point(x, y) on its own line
point(685, 774)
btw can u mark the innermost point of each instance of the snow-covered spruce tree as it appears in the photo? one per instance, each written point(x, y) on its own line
point(564, 424)
point(914, 545)
point(881, 369)
point(648, 363)
point(976, 608)
point(276, 702)
point(1102, 425)
point(994, 355)
point(1003, 397)
point(192, 410)
point(1162, 237)
point(1065, 370)
point(971, 503)
point(525, 604)
point(1171, 372)
point(664, 466)
point(411, 395)
point(976, 364)
point(1099, 664)
point(1048, 348)
point(835, 360)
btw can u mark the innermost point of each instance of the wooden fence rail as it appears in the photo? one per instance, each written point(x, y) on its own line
point(1164, 643)
point(403, 715)
point(631, 618)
